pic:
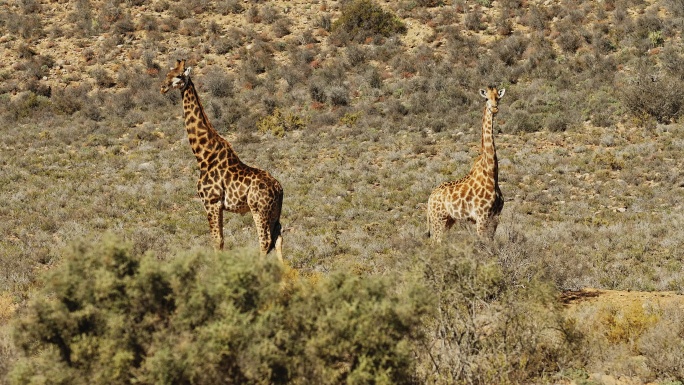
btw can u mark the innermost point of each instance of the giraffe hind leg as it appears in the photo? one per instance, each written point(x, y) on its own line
point(215, 218)
point(263, 231)
point(277, 240)
point(486, 227)
point(270, 236)
point(439, 226)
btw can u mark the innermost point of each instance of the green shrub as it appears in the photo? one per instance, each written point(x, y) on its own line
point(362, 19)
point(109, 317)
point(278, 123)
point(25, 105)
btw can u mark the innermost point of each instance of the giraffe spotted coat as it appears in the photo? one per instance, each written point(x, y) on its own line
point(225, 183)
point(475, 197)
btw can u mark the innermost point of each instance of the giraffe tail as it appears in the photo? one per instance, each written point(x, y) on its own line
point(427, 234)
point(276, 237)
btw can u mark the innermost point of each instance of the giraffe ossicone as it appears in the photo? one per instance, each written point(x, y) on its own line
point(225, 183)
point(475, 197)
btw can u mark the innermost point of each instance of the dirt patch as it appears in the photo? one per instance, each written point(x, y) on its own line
point(595, 297)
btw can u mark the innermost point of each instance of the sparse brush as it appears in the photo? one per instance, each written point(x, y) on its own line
point(362, 19)
point(281, 27)
point(191, 27)
point(646, 94)
point(569, 40)
point(226, 7)
point(676, 7)
point(663, 346)
point(473, 20)
point(269, 14)
point(219, 83)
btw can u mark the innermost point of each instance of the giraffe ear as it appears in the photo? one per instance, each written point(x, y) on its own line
point(502, 92)
point(483, 93)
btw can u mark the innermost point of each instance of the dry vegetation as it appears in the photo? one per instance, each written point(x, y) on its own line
point(359, 125)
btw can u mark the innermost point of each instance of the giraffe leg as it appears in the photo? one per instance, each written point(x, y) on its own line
point(277, 240)
point(486, 227)
point(439, 225)
point(276, 237)
point(215, 217)
point(263, 231)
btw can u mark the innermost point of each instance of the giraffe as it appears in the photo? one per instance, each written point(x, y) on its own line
point(475, 197)
point(225, 183)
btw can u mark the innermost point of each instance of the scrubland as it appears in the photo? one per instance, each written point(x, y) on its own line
point(359, 109)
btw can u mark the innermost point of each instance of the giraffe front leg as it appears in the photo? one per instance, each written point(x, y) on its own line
point(215, 217)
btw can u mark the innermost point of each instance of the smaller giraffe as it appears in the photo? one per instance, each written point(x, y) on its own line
point(225, 183)
point(475, 197)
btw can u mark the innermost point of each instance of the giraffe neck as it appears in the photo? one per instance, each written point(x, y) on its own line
point(488, 162)
point(202, 136)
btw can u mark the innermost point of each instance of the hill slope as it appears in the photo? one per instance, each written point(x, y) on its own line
point(589, 134)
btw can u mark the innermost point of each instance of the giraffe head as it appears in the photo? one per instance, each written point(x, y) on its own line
point(177, 77)
point(492, 95)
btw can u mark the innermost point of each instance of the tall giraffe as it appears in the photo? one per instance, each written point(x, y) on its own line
point(475, 197)
point(225, 183)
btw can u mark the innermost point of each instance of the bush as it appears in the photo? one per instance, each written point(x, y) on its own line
point(225, 7)
point(662, 345)
point(522, 121)
point(473, 20)
point(70, 99)
point(25, 105)
point(511, 49)
point(654, 96)
point(486, 332)
point(676, 7)
point(569, 41)
point(362, 19)
point(219, 83)
point(278, 123)
point(109, 317)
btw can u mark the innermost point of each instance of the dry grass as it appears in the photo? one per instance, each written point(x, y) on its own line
point(590, 163)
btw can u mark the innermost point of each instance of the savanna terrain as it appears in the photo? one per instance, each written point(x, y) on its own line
point(360, 109)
